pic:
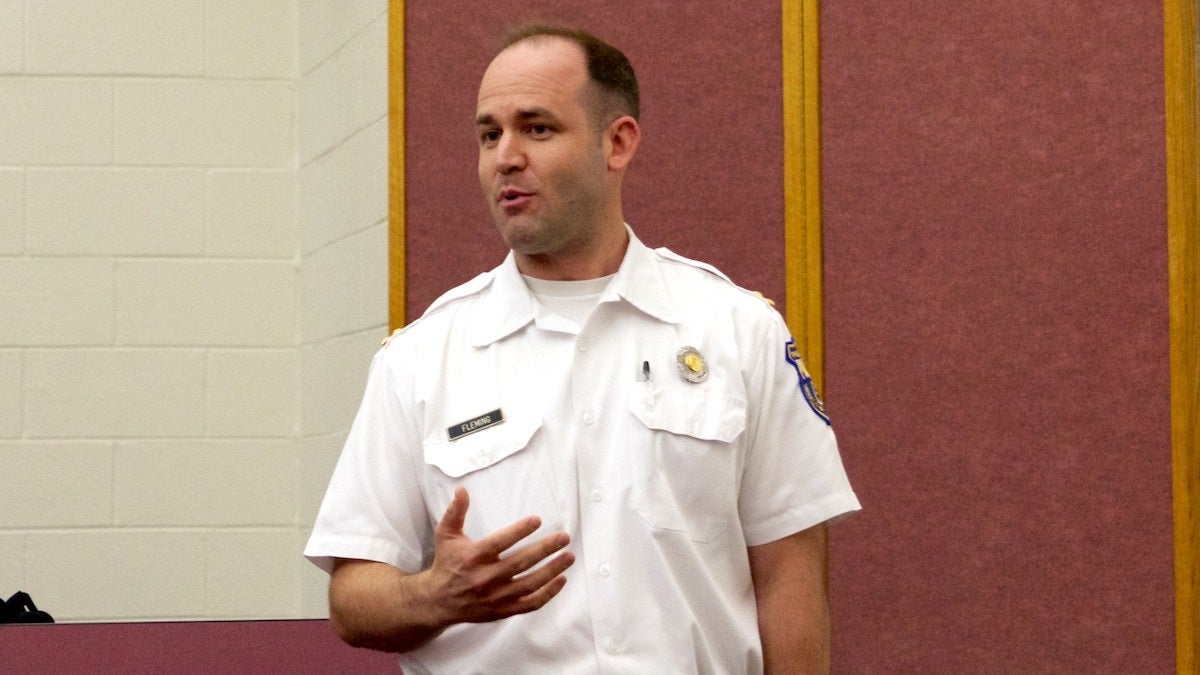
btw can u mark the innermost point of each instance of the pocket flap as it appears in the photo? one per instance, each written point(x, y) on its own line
point(696, 412)
point(480, 450)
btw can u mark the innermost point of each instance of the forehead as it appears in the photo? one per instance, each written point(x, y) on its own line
point(539, 72)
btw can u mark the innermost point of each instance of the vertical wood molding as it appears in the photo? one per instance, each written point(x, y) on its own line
point(802, 183)
point(1183, 244)
point(396, 256)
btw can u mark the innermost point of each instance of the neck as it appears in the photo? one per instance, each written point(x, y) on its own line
point(601, 258)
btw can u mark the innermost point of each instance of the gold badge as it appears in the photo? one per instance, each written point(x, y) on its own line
point(691, 364)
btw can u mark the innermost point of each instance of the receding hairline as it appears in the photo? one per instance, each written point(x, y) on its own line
point(610, 75)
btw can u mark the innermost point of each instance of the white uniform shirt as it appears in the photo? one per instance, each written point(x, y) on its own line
point(662, 483)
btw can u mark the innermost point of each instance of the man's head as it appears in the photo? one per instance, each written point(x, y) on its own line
point(553, 147)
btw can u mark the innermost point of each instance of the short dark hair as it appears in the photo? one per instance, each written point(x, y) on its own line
point(607, 66)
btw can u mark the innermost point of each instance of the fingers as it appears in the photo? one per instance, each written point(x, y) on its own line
point(456, 514)
point(523, 594)
point(489, 579)
point(533, 582)
point(528, 557)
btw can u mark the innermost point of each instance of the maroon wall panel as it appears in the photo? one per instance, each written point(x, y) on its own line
point(707, 181)
point(996, 334)
point(185, 647)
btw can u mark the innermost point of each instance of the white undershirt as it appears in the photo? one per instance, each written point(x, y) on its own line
point(565, 306)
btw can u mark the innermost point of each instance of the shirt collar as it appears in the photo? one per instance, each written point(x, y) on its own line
point(507, 304)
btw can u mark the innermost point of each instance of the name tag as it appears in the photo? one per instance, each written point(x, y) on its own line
point(457, 431)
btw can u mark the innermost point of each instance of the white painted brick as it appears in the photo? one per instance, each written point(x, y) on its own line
point(107, 393)
point(12, 211)
point(373, 263)
point(10, 393)
point(329, 291)
point(252, 574)
point(317, 457)
point(332, 376)
point(205, 483)
point(113, 574)
point(251, 39)
point(60, 301)
point(314, 586)
point(12, 36)
point(147, 37)
point(344, 286)
point(345, 93)
point(252, 214)
point(344, 191)
point(219, 303)
point(252, 393)
point(113, 211)
point(208, 123)
point(56, 484)
point(12, 562)
point(326, 25)
point(55, 121)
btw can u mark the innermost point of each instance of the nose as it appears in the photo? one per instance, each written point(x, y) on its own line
point(510, 154)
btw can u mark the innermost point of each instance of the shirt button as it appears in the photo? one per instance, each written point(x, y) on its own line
point(583, 345)
point(611, 646)
point(597, 495)
point(604, 570)
point(588, 417)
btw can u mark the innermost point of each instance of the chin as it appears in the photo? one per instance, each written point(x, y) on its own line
point(520, 237)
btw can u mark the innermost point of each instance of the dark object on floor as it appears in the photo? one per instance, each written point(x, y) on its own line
point(20, 609)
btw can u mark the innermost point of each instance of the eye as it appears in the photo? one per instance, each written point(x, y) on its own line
point(489, 136)
point(540, 130)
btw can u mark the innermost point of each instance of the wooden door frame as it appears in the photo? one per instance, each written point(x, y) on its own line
point(1183, 246)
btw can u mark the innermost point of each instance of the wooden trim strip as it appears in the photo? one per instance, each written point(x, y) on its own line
point(802, 183)
point(396, 185)
point(1183, 246)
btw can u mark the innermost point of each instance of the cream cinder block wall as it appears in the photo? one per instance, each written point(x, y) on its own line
point(192, 270)
point(342, 238)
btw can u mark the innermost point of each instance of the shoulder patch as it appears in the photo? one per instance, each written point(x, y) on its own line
point(792, 354)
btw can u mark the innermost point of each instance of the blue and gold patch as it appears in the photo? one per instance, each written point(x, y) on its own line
point(792, 354)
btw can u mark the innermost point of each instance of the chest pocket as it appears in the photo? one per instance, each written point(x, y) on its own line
point(505, 477)
point(481, 449)
point(686, 467)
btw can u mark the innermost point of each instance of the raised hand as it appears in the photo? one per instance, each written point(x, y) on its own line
point(476, 581)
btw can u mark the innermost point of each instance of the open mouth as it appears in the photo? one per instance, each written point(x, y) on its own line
point(511, 195)
point(511, 198)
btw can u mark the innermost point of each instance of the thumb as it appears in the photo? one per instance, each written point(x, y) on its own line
point(456, 515)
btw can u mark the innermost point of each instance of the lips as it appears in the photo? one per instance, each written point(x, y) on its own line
point(513, 200)
point(510, 195)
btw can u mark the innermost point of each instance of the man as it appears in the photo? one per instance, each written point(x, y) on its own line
point(597, 457)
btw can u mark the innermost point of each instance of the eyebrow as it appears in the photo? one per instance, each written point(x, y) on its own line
point(487, 119)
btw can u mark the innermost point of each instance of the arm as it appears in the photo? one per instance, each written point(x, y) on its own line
point(793, 614)
point(378, 606)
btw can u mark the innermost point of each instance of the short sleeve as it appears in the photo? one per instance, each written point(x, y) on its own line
point(373, 508)
point(793, 476)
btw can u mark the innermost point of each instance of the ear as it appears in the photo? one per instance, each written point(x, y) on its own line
point(621, 142)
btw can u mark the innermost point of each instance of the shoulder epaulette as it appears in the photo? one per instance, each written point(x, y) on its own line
point(671, 255)
point(463, 290)
point(460, 291)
